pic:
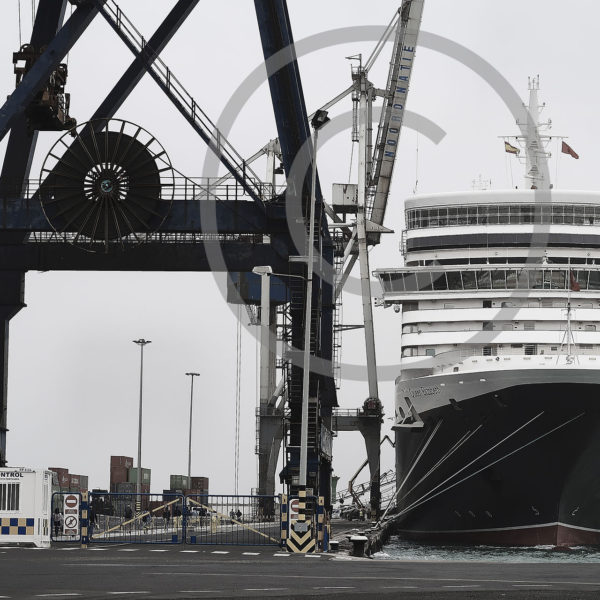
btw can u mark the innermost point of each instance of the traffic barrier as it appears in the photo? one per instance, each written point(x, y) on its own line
point(159, 520)
point(233, 520)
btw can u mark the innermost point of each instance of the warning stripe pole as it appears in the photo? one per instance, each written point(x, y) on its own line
point(84, 519)
point(284, 519)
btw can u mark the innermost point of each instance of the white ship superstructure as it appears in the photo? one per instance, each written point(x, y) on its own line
point(500, 301)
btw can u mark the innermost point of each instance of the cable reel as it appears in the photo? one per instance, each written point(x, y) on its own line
point(106, 184)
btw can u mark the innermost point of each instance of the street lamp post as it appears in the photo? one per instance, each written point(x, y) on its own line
point(138, 487)
point(189, 472)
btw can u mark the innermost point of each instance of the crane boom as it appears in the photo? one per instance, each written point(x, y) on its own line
point(390, 123)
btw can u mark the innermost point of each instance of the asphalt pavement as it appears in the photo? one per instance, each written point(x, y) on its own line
point(176, 571)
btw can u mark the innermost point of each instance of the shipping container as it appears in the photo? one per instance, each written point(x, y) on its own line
point(64, 479)
point(84, 482)
point(179, 482)
point(121, 461)
point(118, 475)
point(199, 482)
point(125, 488)
point(146, 476)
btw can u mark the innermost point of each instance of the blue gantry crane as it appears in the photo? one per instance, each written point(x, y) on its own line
point(109, 198)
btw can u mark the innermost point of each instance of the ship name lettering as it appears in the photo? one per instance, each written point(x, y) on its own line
point(426, 391)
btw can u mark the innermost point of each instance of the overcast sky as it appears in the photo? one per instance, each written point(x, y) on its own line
point(73, 382)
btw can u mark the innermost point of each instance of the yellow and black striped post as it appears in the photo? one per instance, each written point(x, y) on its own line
point(320, 522)
point(84, 519)
point(301, 537)
point(284, 520)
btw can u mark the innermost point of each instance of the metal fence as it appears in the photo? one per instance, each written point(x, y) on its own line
point(160, 519)
point(233, 520)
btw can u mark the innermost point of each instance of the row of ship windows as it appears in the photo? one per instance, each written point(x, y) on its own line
point(500, 214)
point(514, 303)
point(512, 349)
point(485, 279)
point(499, 326)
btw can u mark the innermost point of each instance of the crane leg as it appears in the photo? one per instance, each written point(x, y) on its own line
point(12, 288)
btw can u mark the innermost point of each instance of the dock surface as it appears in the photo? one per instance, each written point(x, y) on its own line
point(160, 572)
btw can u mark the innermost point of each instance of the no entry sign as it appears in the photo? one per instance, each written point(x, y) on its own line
point(71, 515)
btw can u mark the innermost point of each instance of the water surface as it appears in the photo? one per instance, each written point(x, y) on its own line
point(398, 549)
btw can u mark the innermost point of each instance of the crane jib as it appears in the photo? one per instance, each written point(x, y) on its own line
point(390, 124)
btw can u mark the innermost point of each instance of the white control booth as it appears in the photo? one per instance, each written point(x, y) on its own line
point(25, 506)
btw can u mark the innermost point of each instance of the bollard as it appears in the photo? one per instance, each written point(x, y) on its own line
point(358, 544)
point(334, 545)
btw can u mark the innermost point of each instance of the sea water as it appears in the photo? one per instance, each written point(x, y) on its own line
point(398, 549)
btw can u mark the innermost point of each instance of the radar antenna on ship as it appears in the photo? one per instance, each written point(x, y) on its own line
point(534, 140)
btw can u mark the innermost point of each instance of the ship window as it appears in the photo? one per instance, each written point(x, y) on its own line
point(407, 306)
point(558, 280)
point(578, 215)
point(410, 282)
point(487, 351)
point(468, 278)
point(487, 304)
point(443, 217)
point(395, 282)
point(536, 280)
point(462, 215)
point(424, 281)
point(530, 349)
point(499, 280)
point(492, 215)
point(503, 212)
point(483, 280)
point(523, 280)
point(516, 345)
point(452, 216)
point(557, 215)
point(429, 351)
point(553, 348)
point(448, 305)
point(581, 277)
point(529, 326)
point(590, 328)
point(439, 281)
point(594, 283)
point(568, 215)
point(507, 326)
point(511, 280)
point(454, 280)
point(586, 346)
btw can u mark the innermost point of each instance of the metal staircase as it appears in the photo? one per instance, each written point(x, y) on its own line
point(184, 101)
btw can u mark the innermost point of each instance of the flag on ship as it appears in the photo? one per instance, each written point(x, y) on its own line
point(566, 149)
point(510, 148)
point(573, 284)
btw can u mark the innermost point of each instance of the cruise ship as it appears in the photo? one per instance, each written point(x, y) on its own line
point(498, 398)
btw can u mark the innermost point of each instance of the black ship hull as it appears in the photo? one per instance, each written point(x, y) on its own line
point(519, 465)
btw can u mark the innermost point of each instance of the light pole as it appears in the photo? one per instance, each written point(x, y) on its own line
point(192, 375)
point(317, 122)
point(138, 487)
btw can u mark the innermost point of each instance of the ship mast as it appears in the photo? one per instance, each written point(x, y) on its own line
point(532, 141)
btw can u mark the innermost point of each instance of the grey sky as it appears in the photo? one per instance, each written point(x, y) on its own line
point(73, 368)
